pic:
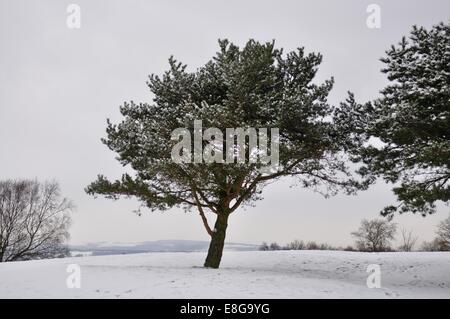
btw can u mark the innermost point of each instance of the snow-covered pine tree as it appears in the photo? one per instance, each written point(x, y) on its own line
point(253, 87)
point(412, 120)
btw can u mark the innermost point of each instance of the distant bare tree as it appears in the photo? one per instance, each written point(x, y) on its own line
point(433, 245)
point(296, 245)
point(264, 246)
point(443, 233)
point(274, 246)
point(312, 245)
point(408, 240)
point(375, 235)
point(34, 220)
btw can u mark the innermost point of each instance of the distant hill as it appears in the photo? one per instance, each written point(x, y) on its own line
point(104, 248)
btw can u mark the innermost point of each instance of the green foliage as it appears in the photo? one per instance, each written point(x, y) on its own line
point(410, 123)
point(256, 86)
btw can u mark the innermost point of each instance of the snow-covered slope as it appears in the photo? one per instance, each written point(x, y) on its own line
point(250, 274)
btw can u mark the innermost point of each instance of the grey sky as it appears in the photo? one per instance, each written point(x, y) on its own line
point(58, 86)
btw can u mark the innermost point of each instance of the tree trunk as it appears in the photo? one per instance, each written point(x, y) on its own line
point(217, 242)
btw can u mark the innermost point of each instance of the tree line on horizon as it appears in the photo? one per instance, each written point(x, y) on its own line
point(376, 235)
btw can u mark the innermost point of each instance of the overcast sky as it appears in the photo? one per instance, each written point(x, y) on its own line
point(58, 86)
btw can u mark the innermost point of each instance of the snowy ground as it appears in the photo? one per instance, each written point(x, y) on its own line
point(251, 274)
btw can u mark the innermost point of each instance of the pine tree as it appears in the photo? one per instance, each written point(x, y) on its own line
point(410, 123)
point(253, 87)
